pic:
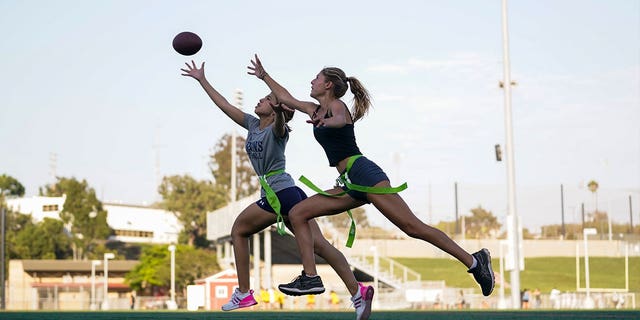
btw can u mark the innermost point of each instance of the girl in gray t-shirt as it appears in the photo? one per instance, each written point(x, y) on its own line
point(267, 138)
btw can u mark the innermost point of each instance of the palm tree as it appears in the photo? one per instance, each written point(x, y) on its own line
point(593, 187)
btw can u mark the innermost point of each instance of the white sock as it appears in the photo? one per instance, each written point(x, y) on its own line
point(474, 264)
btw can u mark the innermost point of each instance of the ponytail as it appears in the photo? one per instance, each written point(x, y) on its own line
point(362, 100)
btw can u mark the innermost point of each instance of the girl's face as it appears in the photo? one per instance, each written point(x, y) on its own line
point(263, 108)
point(318, 85)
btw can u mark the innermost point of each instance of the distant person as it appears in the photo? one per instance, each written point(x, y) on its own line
point(132, 300)
point(554, 297)
point(267, 137)
point(361, 180)
point(264, 297)
point(526, 295)
point(334, 300)
point(311, 302)
point(461, 302)
point(280, 299)
point(537, 302)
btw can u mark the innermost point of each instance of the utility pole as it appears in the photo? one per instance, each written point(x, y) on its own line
point(2, 265)
point(630, 216)
point(562, 211)
point(455, 194)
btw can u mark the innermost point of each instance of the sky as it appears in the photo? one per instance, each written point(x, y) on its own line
point(93, 90)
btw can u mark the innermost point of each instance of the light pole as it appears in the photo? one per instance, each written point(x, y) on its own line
point(376, 270)
point(512, 220)
point(105, 299)
point(94, 264)
point(588, 303)
point(173, 305)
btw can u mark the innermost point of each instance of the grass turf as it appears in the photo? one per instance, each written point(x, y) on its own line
point(543, 273)
point(270, 315)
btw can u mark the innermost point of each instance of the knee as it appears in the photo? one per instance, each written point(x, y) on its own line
point(296, 216)
point(412, 231)
point(415, 230)
point(238, 232)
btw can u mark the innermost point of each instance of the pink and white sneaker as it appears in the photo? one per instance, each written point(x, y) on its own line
point(240, 300)
point(362, 301)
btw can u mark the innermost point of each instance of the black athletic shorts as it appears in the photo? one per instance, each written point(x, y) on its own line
point(288, 197)
point(364, 172)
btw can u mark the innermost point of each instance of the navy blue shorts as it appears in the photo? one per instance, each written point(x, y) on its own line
point(288, 197)
point(364, 172)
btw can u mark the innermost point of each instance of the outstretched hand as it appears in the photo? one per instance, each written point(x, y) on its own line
point(317, 122)
point(193, 71)
point(257, 69)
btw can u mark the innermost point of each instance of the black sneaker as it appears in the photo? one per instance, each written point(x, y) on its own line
point(483, 272)
point(303, 285)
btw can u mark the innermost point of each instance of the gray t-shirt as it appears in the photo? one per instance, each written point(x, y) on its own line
point(266, 153)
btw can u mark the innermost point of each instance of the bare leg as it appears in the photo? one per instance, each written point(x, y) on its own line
point(253, 219)
point(312, 207)
point(398, 212)
point(334, 257)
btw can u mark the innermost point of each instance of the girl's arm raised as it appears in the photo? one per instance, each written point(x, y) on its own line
point(281, 93)
point(198, 73)
point(280, 125)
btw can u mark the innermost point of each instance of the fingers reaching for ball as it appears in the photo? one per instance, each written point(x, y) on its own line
point(257, 69)
point(193, 71)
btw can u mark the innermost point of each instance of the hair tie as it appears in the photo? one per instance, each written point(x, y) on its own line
point(346, 79)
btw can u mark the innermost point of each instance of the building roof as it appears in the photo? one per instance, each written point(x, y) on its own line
point(75, 266)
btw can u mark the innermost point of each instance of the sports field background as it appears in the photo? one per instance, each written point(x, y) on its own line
point(270, 315)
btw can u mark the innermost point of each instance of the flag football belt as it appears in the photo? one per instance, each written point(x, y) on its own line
point(344, 181)
point(273, 200)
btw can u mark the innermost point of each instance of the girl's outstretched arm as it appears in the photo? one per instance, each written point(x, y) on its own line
point(232, 112)
point(281, 93)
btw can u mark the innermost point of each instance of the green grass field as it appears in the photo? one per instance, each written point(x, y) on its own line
point(542, 273)
point(382, 315)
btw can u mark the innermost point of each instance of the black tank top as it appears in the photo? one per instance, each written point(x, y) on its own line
point(338, 143)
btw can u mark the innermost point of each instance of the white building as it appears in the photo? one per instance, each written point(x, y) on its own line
point(38, 207)
point(142, 224)
point(132, 224)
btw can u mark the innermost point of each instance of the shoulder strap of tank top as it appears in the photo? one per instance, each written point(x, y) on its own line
point(348, 111)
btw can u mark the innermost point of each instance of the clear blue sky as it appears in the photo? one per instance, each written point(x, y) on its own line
point(97, 84)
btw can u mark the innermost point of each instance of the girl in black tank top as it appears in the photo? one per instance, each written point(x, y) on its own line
point(329, 85)
point(338, 143)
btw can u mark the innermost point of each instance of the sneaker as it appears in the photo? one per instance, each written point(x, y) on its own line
point(482, 272)
point(240, 300)
point(362, 302)
point(302, 285)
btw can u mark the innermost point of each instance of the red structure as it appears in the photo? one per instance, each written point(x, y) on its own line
point(218, 288)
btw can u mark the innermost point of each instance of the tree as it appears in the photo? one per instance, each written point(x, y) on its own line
point(45, 240)
point(593, 187)
point(481, 224)
point(17, 223)
point(83, 214)
point(9, 186)
point(220, 166)
point(154, 269)
point(190, 200)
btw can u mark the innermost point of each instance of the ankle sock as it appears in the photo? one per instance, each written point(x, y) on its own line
point(474, 264)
